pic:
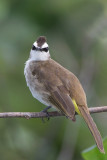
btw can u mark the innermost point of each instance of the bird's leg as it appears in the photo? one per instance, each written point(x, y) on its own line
point(45, 110)
point(47, 114)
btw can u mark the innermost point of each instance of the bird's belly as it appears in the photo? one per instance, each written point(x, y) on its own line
point(37, 89)
point(39, 95)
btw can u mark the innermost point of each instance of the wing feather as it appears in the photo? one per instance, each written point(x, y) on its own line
point(63, 102)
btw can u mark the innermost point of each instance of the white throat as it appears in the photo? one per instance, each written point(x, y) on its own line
point(39, 56)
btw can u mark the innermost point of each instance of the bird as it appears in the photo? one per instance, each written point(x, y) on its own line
point(55, 86)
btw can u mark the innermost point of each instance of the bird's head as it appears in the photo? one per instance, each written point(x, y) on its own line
point(40, 50)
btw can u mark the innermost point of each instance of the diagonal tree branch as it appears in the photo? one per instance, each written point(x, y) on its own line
point(29, 115)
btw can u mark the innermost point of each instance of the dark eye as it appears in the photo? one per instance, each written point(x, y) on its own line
point(45, 49)
point(34, 48)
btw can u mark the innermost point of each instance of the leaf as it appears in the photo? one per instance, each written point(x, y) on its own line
point(93, 153)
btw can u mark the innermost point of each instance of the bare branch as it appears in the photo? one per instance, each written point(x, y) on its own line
point(29, 115)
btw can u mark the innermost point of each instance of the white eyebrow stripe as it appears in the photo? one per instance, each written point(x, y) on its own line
point(35, 44)
point(45, 45)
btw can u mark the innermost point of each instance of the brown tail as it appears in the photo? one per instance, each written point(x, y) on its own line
point(93, 128)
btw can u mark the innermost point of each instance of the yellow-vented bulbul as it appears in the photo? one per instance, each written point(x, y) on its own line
point(55, 86)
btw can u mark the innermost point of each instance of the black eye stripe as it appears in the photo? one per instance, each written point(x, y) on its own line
point(34, 48)
point(45, 49)
point(40, 49)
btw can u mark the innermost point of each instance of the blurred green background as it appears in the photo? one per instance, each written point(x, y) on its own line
point(76, 32)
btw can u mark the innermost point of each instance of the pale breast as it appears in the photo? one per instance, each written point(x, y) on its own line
point(37, 89)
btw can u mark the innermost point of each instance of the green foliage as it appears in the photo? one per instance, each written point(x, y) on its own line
point(94, 154)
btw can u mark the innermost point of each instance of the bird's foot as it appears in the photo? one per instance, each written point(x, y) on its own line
point(47, 114)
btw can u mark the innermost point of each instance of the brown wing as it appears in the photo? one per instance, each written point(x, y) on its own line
point(63, 102)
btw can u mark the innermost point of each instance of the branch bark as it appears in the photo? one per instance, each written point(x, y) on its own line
point(29, 115)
